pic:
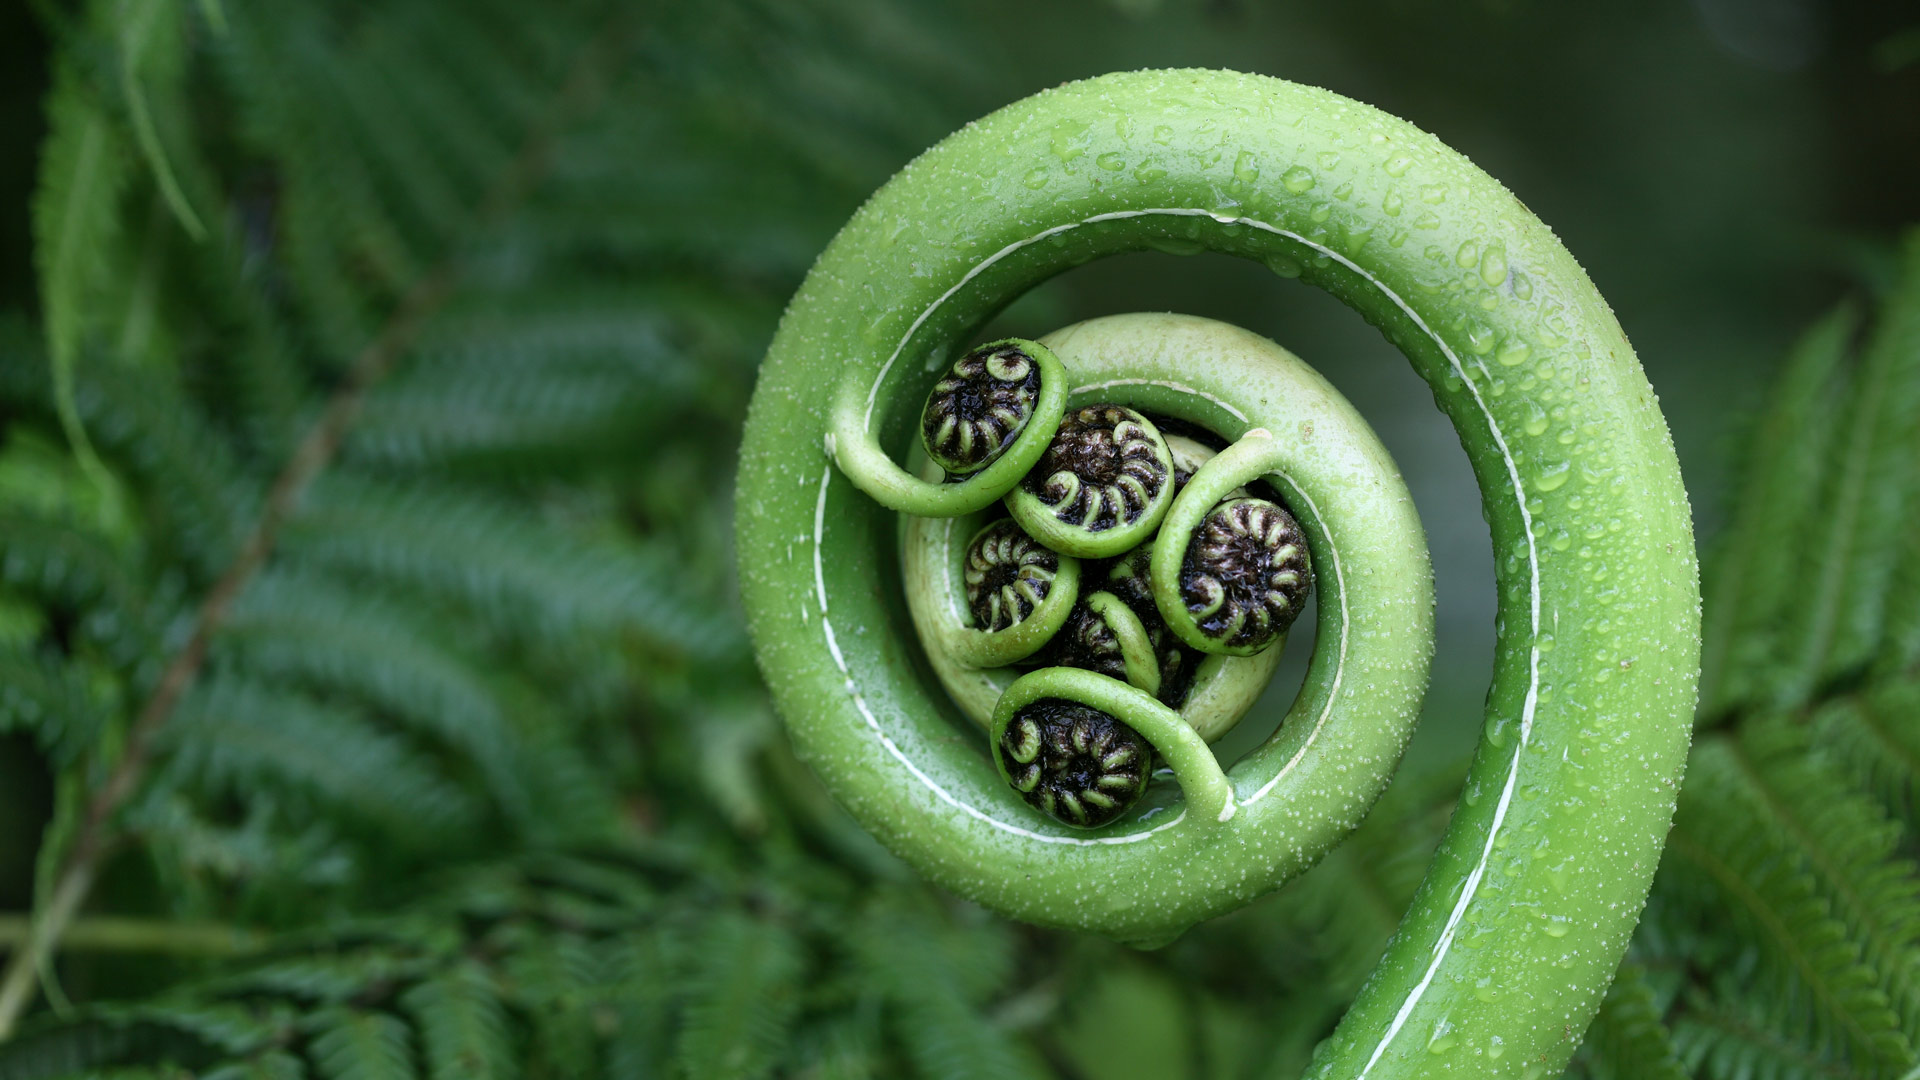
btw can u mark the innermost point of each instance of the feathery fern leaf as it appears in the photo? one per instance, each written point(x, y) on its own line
point(83, 172)
point(932, 993)
point(741, 999)
point(234, 732)
point(530, 575)
point(1876, 738)
point(1867, 501)
point(1849, 845)
point(1817, 987)
point(1743, 618)
point(357, 1044)
point(463, 1027)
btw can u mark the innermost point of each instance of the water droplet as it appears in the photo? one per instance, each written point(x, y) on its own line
point(1343, 192)
point(1428, 220)
point(1298, 179)
point(1246, 167)
point(1514, 352)
point(1036, 179)
point(1468, 254)
point(1284, 265)
point(1433, 193)
point(1556, 927)
point(1536, 419)
point(1522, 287)
point(1111, 161)
point(1496, 731)
point(1391, 204)
point(1147, 174)
point(1551, 476)
point(1163, 135)
point(1069, 139)
point(1328, 159)
point(1496, 1049)
point(1398, 166)
point(1493, 264)
point(1479, 339)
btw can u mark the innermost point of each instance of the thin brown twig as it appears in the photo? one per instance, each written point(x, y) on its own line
point(315, 451)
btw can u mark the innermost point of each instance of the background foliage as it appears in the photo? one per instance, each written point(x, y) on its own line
point(371, 699)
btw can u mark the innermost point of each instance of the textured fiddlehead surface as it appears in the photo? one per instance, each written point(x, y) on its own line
point(1527, 906)
point(1245, 577)
point(1102, 486)
point(1009, 575)
point(977, 411)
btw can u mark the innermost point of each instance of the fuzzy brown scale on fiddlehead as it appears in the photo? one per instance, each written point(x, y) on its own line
point(1008, 574)
point(1246, 575)
point(1074, 762)
point(980, 407)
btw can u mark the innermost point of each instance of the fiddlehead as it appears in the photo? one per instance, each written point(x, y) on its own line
point(1525, 913)
point(1075, 745)
point(1102, 486)
point(1230, 574)
point(976, 412)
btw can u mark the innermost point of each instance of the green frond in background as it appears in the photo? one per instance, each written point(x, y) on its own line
point(364, 591)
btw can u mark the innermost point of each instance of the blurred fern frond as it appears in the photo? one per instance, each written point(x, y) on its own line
point(398, 357)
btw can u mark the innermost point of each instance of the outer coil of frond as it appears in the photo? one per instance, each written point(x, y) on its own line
point(1527, 908)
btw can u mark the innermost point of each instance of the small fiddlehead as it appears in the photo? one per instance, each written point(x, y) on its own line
point(1230, 574)
point(1528, 904)
point(976, 412)
point(1102, 486)
point(1075, 745)
point(984, 409)
point(1105, 635)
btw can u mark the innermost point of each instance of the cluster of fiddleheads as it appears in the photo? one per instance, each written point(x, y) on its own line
point(1508, 947)
point(1039, 594)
